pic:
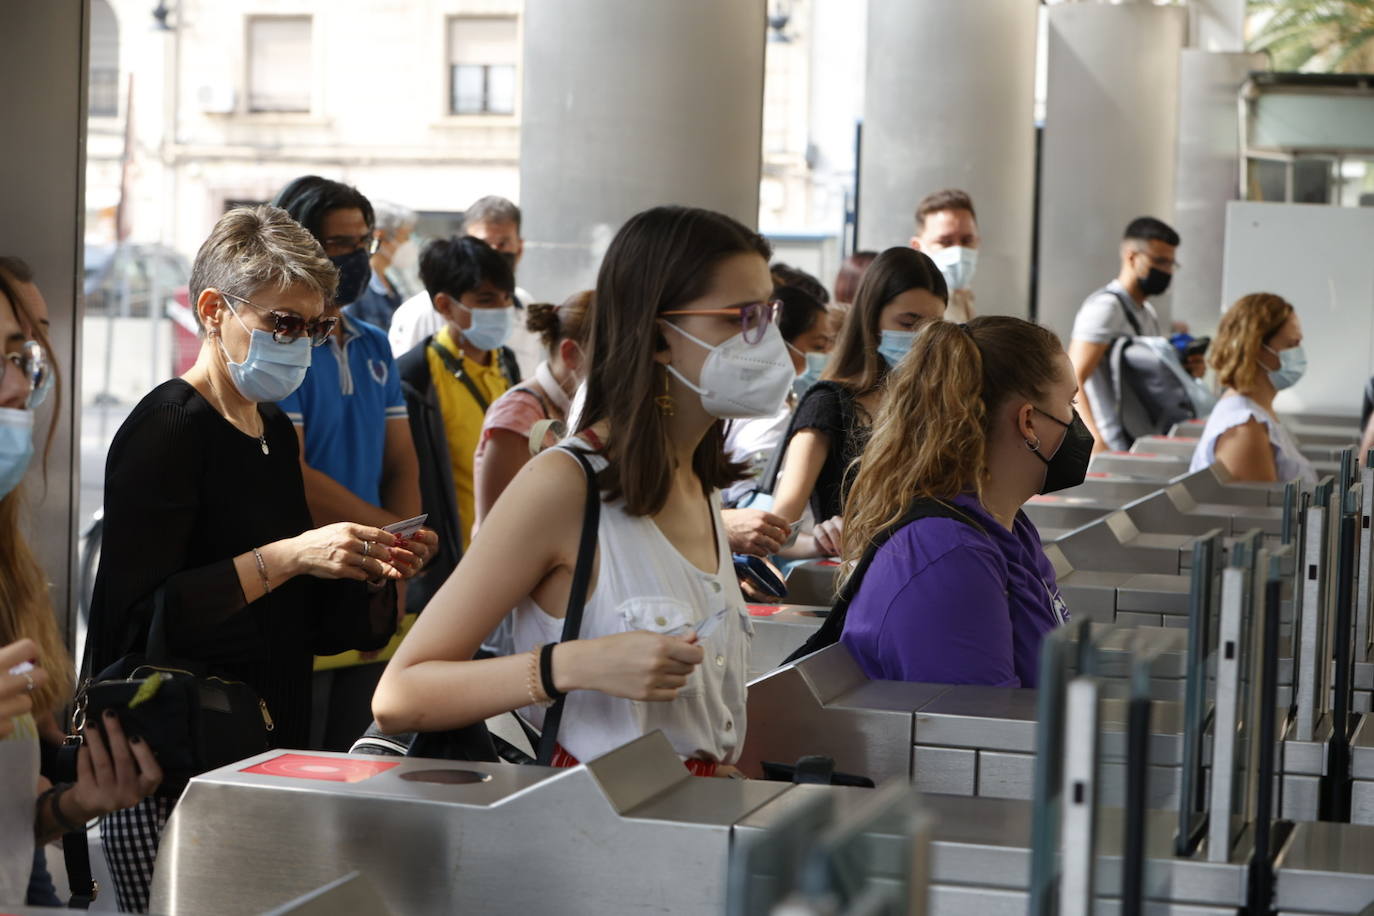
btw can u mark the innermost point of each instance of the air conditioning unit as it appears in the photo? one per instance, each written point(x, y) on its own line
point(216, 98)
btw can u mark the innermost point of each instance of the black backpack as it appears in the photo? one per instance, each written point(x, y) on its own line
point(1149, 385)
point(832, 628)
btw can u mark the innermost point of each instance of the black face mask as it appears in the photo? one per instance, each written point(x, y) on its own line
point(355, 269)
point(1155, 282)
point(509, 258)
point(1069, 466)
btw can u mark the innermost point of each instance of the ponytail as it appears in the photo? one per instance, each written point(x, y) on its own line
point(930, 435)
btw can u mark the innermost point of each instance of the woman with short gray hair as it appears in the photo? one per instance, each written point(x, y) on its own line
point(206, 518)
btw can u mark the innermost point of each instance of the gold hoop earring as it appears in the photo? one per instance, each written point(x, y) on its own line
point(666, 406)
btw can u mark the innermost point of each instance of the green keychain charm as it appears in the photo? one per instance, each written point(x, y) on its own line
point(148, 689)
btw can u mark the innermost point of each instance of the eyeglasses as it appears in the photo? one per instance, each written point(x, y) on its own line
point(288, 328)
point(31, 362)
point(344, 244)
point(1161, 263)
point(754, 318)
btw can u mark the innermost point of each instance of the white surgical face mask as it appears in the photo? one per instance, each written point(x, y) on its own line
point(1292, 366)
point(406, 257)
point(740, 380)
point(489, 329)
point(270, 371)
point(893, 345)
point(957, 263)
point(16, 447)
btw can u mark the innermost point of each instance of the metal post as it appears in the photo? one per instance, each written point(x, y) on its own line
point(1078, 830)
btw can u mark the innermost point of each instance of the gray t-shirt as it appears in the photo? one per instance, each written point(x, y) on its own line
point(1102, 319)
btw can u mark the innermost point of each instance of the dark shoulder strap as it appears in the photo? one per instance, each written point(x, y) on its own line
point(832, 627)
point(577, 598)
point(455, 365)
point(510, 366)
point(1126, 306)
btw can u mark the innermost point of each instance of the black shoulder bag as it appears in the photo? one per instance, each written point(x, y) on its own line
point(192, 722)
point(475, 742)
point(832, 628)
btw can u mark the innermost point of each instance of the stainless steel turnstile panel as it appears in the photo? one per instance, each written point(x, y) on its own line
point(779, 634)
point(1140, 467)
point(980, 858)
point(1362, 772)
point(813, 583)
point(1326, 868)
point(636, 822)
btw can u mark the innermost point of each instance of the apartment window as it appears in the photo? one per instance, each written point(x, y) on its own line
point(483, 53)
point(279, 65)
point(103, 98)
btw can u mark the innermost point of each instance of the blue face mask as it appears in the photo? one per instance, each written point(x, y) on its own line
point(894, 345)
point(16, 447)
point(488, 329)
point(815, 365)
point(271, 370)
point(1292, 366)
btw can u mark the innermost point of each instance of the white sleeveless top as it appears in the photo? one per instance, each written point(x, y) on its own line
point(644, 583)
point(1235, 409)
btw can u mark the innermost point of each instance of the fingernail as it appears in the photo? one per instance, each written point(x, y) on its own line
point(109, 713)
point(136, 740)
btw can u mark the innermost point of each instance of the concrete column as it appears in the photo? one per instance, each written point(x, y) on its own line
point(629, 104)
point(43, 110)
point(1110, 143)
point(1208, 177)
point(938, 115)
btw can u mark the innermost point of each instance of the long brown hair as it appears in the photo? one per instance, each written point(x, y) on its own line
point(931, 432)
point(660, 259)
point(26, 608)
point(1245, 329)
point(856, 362)
point(16, 270)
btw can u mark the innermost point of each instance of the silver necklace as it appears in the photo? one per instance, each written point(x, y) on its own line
point(262, 438)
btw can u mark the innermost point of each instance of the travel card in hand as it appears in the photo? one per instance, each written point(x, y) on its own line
point(405, 529)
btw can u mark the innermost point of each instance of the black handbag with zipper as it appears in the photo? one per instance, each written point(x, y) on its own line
point(193, 722)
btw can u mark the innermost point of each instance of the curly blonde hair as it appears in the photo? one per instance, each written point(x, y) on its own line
point(1245, 329)
point(930, 435)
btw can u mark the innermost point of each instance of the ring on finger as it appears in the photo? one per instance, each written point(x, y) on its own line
point(29, 685)
point(367, 548)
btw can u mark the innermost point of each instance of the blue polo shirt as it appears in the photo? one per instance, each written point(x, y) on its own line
point(350, 391)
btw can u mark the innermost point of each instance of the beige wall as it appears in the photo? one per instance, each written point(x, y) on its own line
point(379, 113)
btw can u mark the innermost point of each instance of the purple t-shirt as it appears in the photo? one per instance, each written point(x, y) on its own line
point(946, 603)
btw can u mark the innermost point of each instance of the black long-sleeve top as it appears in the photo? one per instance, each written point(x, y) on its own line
point(185, 493)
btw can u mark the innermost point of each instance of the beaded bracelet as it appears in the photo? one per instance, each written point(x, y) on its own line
point(262, 572)
point(533, 682)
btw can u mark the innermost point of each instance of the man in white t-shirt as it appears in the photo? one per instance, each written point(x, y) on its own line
point(947, 231)
point(1121, 309)
point(496, 221)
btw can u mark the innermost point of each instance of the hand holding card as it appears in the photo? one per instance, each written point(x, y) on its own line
point(405, 529)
